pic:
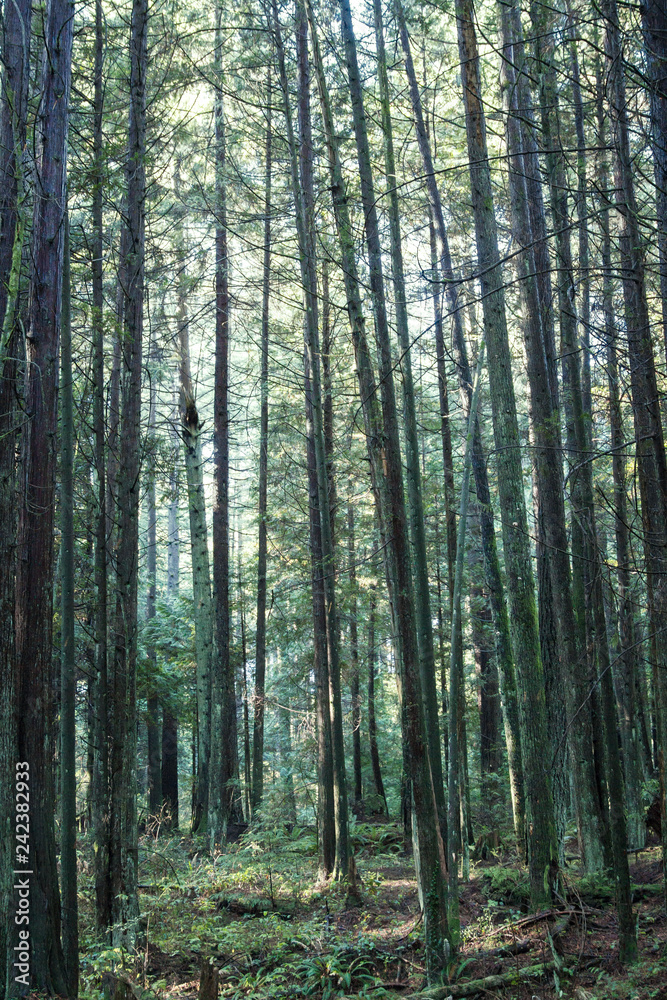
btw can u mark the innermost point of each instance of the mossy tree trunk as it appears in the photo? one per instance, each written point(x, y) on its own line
point(542, 847)
point(491, 560)
point(260, 638)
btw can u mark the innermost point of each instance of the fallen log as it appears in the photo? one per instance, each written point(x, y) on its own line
point(502, 951)
point(469, 989)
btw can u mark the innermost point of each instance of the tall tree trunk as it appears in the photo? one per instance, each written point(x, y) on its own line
point(391, 513)
point(16, 26)
point(424, 619)
point(223, 805)
point(201, 576)
point(627, 925)
point(456, 678)
point(490, 753)
point(100, 746)
point(542, 847)
point(34, 575)
point(627, 667)
point(354, 666)
point(325, 796)
point(431, 851)
point(573, 630)
point(654, 24)
point(448, 473)
point(491, 560)
point(247, 756)
point(372, 722)
point(153, 707)
point(260, 639)
point(123, 848)
point(554, 680)
point(545, 432)
point(651, 464)
point(344, 862)
point(70, 910)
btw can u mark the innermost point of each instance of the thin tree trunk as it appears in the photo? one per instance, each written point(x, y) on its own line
point(431, 853)
point(260, 639)
point(491, 561)
point(153, 708)
point(173, 535)
point(627, 667)
point(100, 747)
point(545, 427)
point(627, 924)
point(448, 476)
point(542, 847)
point(344, 862)
point(654, 25)
point(67, 653)
point(223, 782)
point(651, 464)
point(246, 723)
point(123, 821)
point(490, 754)
point(456, 678)
point(354, 666)
point(372, 723)
point(201, 576)
point(391, 512)
point(574, 631)
point(424, 619)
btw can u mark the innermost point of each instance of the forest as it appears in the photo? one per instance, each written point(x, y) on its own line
point(333, 499)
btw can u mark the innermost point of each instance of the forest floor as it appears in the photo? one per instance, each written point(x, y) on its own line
point(258, 915)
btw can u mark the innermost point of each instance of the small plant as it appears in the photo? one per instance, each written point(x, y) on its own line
point(339, 973)
point(508, 885)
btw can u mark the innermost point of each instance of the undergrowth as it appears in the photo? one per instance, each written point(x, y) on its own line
point(259, 914)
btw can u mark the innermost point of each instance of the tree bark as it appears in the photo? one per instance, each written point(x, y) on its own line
point(626, 686)
point(191, 430)
point(651, 464)
point(430, 843)
point(491, 561)
point(67, 651)
point(358, 806)
point(301, 179)
point(456, 679)
point(100, 772)
point(542, 847)
point(654, 25)
point(16, 26)
point(260, 639)
point(372, 722)
point(34, 576)
point(573, 631)
point(153, 709)
point(224, 802)
point(123, 855)
point(424, 621)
